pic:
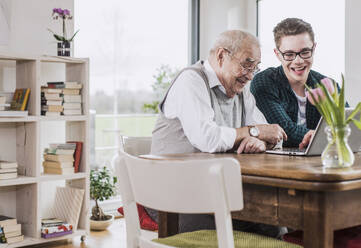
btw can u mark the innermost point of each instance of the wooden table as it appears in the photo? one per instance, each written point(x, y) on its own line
point(291, 191)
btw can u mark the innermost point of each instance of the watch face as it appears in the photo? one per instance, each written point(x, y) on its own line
point(253, 131)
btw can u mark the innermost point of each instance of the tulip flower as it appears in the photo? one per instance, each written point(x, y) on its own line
point(328, 83)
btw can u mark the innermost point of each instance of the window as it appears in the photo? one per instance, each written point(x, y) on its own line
point(128, 43)
point(327, 21)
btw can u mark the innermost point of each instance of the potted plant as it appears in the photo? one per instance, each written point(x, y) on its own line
point(102, 187)
point(63, 40)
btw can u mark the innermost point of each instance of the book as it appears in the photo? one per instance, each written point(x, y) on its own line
point(51, 90)
point(51, 221)
point(9, 170)
point(59, 151)
point(77, 154)
point(20, 99)
point(12, 234)
point(12, 228)
point(51, 97)
point(51, 102)
point(56, 85)
point(59, 171)
point(59, 157)
point(58, 228)
point(73, 85)
point(15, 239)
point(56, 234)
point(8, 164)
point(7, 221)
point(72, 112)
point(71, 146)
point(72, 105)
point(57, 165)
point(50, 114)
point(72, 98)
point(52, 108)
point(71, 91)
point(8, 175)
point(67, 204)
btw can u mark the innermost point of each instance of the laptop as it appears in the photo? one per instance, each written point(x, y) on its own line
point(319, 140)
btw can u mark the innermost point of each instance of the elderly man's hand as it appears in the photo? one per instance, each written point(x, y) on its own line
point(271, 133)
point(251, 145)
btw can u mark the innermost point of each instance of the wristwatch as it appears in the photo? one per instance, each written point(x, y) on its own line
point(253, 131)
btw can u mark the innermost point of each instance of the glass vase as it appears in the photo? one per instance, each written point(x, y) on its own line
point(337, 153)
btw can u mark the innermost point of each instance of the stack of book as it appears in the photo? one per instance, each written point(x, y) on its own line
point(17, 106)
point(72, 98)
point(3, 103)
point(61, 98)
point(10, 230)
point(59, 159)
point(51, 101)
point(54, 227)
point(8, 170)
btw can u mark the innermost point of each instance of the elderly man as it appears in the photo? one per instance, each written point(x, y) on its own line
point(208, 108)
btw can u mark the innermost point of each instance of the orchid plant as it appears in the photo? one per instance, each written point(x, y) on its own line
point(331, 105)
point(62, 14)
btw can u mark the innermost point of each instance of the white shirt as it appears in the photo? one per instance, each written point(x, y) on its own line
point(189, 101)
point(301, 116)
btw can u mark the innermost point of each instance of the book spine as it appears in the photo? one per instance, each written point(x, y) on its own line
point(57, 234)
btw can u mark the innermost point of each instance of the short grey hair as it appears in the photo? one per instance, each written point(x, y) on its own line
point(234, 40)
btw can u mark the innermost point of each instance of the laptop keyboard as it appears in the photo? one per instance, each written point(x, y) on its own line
point(293, 149)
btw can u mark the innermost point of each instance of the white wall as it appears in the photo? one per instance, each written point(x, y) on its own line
point(29, 21)
point(353, 51)
point(218, 16)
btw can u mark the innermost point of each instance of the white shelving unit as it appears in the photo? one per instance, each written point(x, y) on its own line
point(20, 141)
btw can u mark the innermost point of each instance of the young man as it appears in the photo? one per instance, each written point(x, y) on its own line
point(280, 91)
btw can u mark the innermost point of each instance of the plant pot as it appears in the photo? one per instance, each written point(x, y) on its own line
point(64, 48)
point(101, 225)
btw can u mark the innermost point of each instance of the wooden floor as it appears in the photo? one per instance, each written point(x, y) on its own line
point(114, 237)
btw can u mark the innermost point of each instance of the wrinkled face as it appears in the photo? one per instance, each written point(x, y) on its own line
point(296, 55)
point(237, 69)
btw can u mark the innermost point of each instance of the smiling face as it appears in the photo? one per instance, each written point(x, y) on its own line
point(236, 69)
point(298, 69)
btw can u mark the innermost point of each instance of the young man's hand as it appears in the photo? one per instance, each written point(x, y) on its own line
point(251, 145)
point(271, 133)
point(306, 139)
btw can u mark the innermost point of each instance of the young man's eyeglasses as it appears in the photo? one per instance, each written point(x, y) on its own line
point(246, 66)
point(306, 53)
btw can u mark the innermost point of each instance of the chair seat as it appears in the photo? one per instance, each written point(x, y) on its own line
point(208, 239)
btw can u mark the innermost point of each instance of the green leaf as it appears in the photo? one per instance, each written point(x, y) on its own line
point(341, 103)
point(334, 110)
point(354, 112)
point(71, 39)
point(357, 123)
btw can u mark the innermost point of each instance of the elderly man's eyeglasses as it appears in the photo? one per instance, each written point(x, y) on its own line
point(246, 66)
point(304, 54)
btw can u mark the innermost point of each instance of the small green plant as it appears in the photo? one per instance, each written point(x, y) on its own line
point(102, 187)
point(163, 78)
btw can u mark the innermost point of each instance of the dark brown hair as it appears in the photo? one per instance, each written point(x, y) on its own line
point(292, 26)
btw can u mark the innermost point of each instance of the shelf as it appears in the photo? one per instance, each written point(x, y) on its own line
point(29, 118)
point(65, 118)
point(51, 177)
point(18, 181)
point(15, 57)
point(57, 59)
point(34, 241)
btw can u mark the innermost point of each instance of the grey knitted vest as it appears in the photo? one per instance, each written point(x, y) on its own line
point(168, 136)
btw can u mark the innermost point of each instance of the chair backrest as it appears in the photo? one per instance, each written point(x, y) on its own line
point(197, 186)
point(136, 145)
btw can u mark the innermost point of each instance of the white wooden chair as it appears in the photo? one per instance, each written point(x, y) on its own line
point(197, 186)
point(180, 186)
point(136, 145)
